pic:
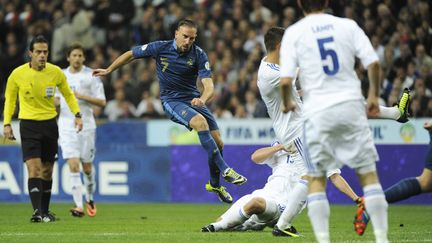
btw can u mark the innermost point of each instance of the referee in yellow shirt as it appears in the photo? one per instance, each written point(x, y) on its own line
point(35, 84)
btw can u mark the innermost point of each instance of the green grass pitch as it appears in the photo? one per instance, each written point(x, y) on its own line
point(182, 223)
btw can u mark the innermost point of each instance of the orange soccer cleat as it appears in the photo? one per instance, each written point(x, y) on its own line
point(361, 219)
point(91, 208)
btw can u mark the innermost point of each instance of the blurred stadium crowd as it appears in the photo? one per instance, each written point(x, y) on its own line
point(231, 31)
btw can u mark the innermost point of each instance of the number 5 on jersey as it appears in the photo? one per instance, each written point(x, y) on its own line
point(328, 52)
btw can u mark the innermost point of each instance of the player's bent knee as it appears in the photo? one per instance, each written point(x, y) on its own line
point(87, 170)
point(220, 145)
point(74, 165)
point(256, 205)
point(87, 167)
point(199, 123)
point(425, 181)
point(47, 173)
point(34, 173)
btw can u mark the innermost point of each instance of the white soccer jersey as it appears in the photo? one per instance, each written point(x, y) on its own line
point(282, 164)
point(286, 172)
point(287, 126)
point(327, 46)
point(84, 83)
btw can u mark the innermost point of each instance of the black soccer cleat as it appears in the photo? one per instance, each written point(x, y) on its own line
point(289, 232)
point(49, 217)
point(77, 212)
point(208, 228)
point(36, 217)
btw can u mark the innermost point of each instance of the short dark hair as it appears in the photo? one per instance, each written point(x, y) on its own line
point(273, 37)
point(309, 6)
point(75, 46)
point(188, 23)
point(37, 39)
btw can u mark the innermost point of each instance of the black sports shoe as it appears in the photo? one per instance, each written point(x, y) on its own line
point(208, 228)
point(77, 212)
point(289, 232)
point(36, 217)
point(49, 217)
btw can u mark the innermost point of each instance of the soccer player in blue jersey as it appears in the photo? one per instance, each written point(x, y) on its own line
point(179, 63)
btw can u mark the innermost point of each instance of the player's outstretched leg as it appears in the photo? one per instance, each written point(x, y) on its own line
point(214, 155)
point(220, 191)
point(399, 111)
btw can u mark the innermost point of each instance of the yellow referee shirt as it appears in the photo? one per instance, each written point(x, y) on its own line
point(36, 90)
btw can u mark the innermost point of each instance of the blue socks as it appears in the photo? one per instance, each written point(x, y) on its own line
point(404, 189)
point(215, 160)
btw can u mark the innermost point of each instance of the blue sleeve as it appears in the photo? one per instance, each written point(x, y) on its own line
point(148, 50)
point(204, 70)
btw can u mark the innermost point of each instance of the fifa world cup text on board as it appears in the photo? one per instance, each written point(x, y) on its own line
point(266, 132)
point(377, 132)
point(249, 133)
point(239, 132)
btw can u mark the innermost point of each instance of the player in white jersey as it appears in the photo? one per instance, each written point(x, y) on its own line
point(263, 207)
point(76, 147)
point(336, 130)
point(288, 126)
point(266, 203)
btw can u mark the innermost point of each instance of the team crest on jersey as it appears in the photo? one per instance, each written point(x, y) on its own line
point(144, 47)
point(207, 65)
point(190, 62)
point(183, 113)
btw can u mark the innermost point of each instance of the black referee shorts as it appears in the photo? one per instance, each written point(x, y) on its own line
point(39, 139)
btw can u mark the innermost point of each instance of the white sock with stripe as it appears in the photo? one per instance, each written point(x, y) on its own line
point(319, 215)
point(76, 184)
point(376, 206)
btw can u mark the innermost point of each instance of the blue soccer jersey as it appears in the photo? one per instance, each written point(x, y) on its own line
point(177, 72)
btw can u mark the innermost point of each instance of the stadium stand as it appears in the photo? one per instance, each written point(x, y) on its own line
point(232, 34)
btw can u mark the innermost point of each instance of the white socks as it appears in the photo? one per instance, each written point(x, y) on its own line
point(90, 184)
point(294, 205)
point(376, 206)
point(392, 113)
point(319, 215)
point(76, 184)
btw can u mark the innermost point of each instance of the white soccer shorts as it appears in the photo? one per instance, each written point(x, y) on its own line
point(339, 136)
point(78, 145)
